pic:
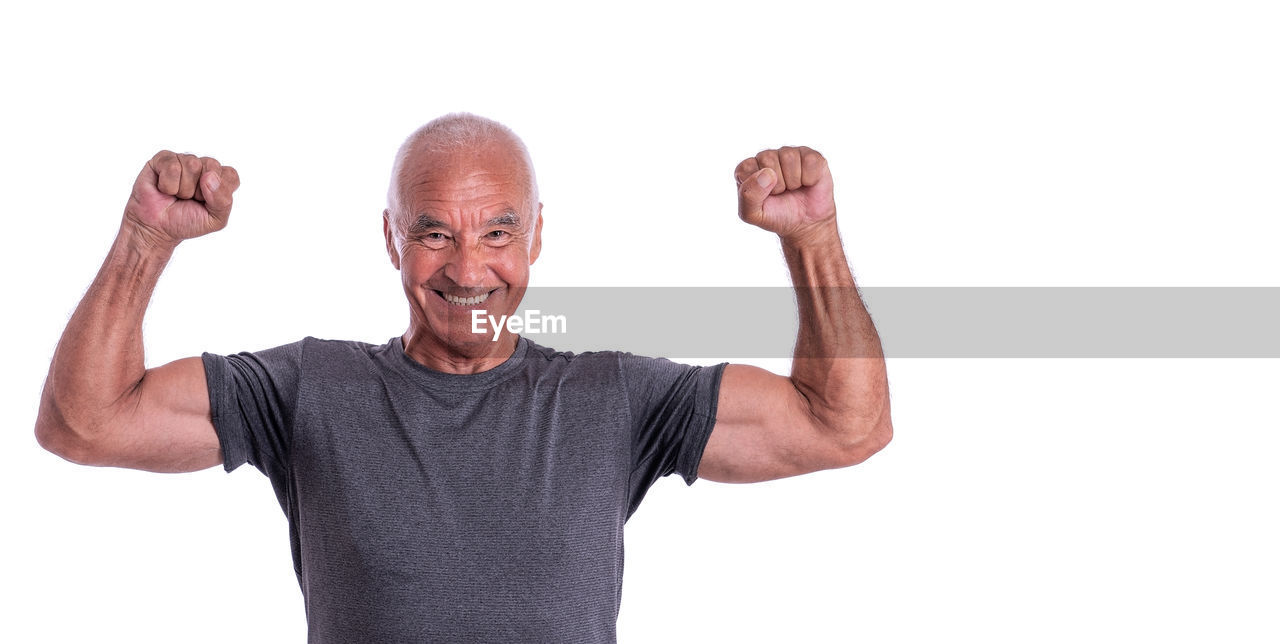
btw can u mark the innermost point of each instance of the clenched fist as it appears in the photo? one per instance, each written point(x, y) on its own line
point(787, 191)
point(181, 196)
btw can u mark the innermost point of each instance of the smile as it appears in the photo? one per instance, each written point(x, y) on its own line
point(465, 301)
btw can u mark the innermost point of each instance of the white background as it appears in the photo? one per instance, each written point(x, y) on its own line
point(973, 144)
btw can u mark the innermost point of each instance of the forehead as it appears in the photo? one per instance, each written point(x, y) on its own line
point(467, 178)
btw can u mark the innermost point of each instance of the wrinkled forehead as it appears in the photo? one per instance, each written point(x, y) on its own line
point(493, 171)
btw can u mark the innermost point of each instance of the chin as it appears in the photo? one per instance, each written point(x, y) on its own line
point(449, 326)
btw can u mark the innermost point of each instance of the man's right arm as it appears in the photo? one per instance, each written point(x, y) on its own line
point(100, 405)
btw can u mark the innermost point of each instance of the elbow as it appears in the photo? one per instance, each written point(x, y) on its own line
point(855, 423)
point(56, 436)
point(62, 442)
point(867, 442)
point(880, 437)
point(862, 437)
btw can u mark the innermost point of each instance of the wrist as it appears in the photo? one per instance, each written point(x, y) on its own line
point(142, 239)
point(816, 235)
point(815, 257)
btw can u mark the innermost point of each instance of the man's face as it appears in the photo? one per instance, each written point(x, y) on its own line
point(464, 236)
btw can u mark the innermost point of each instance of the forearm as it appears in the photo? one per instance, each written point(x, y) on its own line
point(99, 363)
point(839, 363)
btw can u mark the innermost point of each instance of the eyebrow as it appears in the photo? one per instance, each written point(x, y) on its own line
point(505, 219)
point(424, 223)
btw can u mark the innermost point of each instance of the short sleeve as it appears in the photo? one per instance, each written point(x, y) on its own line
point(252, 398)
point(673, 410)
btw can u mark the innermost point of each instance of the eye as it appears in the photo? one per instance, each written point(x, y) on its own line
point(434, 236)
point(497, 234)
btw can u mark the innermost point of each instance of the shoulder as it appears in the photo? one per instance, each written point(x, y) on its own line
point(546, 355)
point(600, 370)
point(325, 358)
point(322, 346)
point(628, 369)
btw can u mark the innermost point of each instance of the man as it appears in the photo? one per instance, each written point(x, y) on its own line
point(447, 486)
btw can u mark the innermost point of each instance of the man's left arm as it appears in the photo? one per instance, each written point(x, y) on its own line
point(833, 411)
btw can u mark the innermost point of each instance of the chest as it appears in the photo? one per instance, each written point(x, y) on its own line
point(519, 466)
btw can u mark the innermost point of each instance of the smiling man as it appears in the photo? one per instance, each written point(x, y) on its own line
point(449, 485)
point(463, 225)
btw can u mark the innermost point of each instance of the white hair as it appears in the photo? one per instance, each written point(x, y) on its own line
point(453, 132)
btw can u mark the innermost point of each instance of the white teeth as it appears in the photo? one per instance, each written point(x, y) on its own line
point(466, 301)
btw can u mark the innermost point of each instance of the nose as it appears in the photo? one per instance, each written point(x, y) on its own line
point(466, 267)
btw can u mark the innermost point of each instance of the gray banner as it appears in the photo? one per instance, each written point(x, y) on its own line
point(918, 322)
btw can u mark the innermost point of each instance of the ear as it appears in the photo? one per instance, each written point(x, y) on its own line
point(535, 249)
point(392, 251)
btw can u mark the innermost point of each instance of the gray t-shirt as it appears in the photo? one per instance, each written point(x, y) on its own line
point(426, 506)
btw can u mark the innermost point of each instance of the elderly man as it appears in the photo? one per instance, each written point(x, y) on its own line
point(447, 485)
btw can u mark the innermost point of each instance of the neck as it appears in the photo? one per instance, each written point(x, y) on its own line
point(429, 351)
